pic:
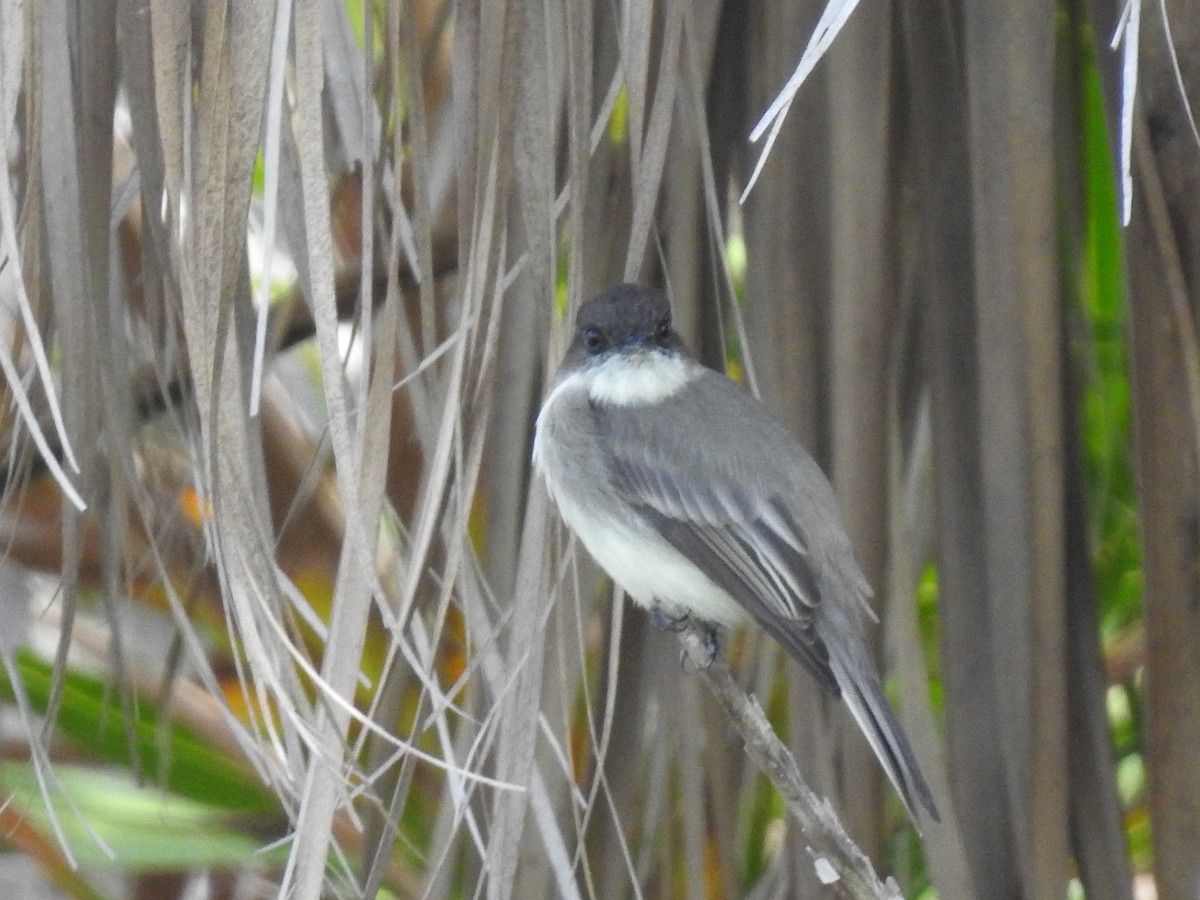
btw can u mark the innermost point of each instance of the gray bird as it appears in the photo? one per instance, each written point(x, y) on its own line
point(701, 505)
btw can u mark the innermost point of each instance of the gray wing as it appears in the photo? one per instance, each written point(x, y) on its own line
point(743, 501)
point(727, 502)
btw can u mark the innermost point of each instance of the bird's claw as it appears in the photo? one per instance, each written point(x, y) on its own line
point(678, 624)
point(710, 648)
point(664, 621)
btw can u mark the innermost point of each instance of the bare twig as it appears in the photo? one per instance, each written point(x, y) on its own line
point(838, 861)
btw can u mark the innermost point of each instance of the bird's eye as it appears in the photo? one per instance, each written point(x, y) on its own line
point(593, 340)
point(662, 334)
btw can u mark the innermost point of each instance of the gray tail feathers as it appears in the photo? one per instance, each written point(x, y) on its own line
point(864, 695)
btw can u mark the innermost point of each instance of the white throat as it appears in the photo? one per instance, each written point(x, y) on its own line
point(637, 378)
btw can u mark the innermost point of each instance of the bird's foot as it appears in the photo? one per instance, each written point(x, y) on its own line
point(678, 624)
point(664, 621)
point(709, 642)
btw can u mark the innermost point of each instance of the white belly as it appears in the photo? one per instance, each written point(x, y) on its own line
point(651, 571)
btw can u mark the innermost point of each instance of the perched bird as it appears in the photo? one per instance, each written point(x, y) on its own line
point(701, 505)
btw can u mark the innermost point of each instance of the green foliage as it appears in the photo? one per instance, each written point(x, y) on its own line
point(108, 820)
point(355, 11)
point(928, 624)
point(182, 762)
point(737, 260)
point(1106, 423)
point(618, 123)
point(1112, 508)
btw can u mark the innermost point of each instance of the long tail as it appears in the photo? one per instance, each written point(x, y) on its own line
point(863, 694)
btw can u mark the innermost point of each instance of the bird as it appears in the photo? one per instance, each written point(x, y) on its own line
point(702, 506)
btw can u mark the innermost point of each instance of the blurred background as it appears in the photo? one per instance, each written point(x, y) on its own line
point(281, 286)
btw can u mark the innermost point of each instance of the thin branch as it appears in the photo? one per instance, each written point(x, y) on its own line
point(838, 861)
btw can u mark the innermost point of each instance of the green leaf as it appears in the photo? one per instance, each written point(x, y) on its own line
point(181, 761)
point(145, 829)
